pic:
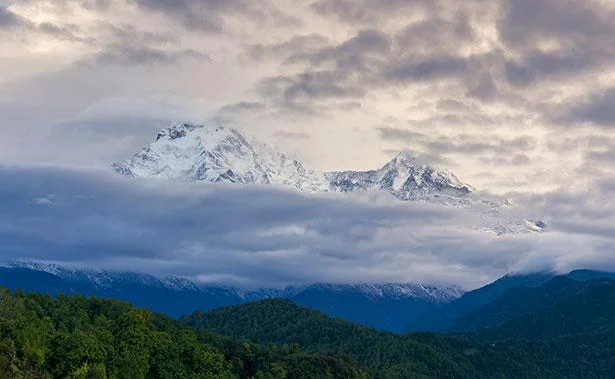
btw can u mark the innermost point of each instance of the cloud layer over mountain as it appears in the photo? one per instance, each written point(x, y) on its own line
point(260, 235)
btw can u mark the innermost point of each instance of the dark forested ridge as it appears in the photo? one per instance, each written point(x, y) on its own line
point(449, 315)
point(77, 337)
point(359, 304)
point(508, 297)
point(176, 297)
point(280, 321)
point(388, 355)
point(564, 328)
point(562, 307)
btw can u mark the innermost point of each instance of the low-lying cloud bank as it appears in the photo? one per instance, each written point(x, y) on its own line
point(265, 236)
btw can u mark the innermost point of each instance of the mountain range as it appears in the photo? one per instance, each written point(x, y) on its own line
point(214, 153)
point(396, 307)
point(562, 328)
point(387, 306)
point(571, 335)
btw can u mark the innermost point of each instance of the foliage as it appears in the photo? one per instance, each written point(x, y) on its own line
point(562, 329)
point(562, 307)
point(78, 337)
point(417, 355)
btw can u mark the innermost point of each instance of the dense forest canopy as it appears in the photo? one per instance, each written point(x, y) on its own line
point(563, 329)
point(78, 337)
point(547, 342)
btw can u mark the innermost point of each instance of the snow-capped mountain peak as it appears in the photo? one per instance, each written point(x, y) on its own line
point(215, 153)
point(407, 166)
point(405, 158)
point(406, 171)
point(405, 177)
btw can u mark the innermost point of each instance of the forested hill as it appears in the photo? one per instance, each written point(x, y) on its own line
point(77, 337)
point(562, 307)
point(388, 355)
point(414, 355)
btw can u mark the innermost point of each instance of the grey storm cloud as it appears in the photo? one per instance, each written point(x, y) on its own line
point(63, 32)
point(8, 18)
point(605, 156)
point(300, 94)
point(372, 60)
point(124, 34)
point(397, 134)
point(597, 108)
point(582, 33)
point(443, 144)
point(563, 143)
point(296, 45)
point(352, 53)
point(434, 49)
point(477, 118)
point(577, 213)
point(126, 45)
point(446, 46)
point(453, 105)
point(538, 66)
point(437, 33)
point(242, 106)
point(419, 68)
point(208, 15)
point(263, 235)
point(128, 55)
point(524, 22)
point(92, 217)
point(515, 160)
point(470, 144)
point(116, 43)
point(201, 15)
point(368, 11)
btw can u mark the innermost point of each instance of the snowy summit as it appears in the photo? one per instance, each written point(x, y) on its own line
point(215, 153)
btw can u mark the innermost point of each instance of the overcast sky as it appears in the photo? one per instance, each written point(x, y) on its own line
point(514, 96)
point(510, 94)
